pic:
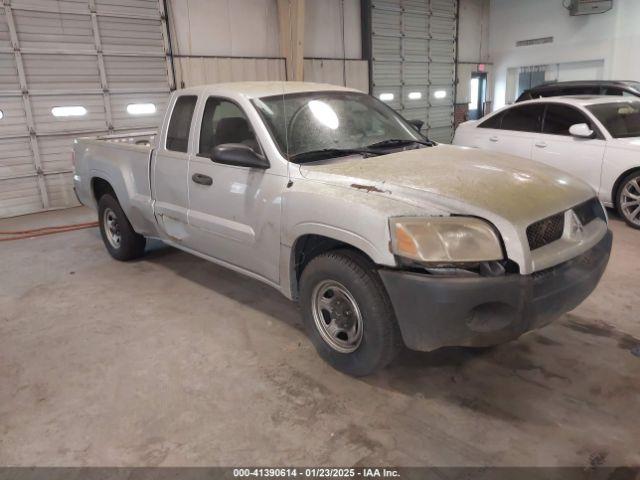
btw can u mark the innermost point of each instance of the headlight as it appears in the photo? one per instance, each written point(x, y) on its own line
point(444, 239)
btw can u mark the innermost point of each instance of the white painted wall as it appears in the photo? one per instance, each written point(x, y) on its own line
point(612, 37)
point(238, 28)
point(473, 31)
point(249, 28)
point(473, 45)
point(324, 32)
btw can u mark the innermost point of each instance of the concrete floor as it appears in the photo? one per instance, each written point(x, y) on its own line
point(174, 361)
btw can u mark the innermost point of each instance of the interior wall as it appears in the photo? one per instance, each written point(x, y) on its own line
point(612, 38)
point(223, 40)
point(473, 31)
point(473, 49)
point(473, 46)
point(238, 28)
point(249, 28)
point(324, 33)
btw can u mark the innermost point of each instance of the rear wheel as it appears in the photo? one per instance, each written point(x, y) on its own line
point(121, 240)
point(347, 313)
point(628, 199)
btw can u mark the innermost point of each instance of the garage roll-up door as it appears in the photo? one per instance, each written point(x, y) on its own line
point(413, 48)
point(70, 68)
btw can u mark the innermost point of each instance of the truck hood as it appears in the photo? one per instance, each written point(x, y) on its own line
point(447, 179)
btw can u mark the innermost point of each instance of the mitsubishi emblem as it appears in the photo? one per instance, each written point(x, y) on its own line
point(576, 229)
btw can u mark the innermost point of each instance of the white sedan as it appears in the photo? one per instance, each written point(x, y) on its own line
point(594, 138)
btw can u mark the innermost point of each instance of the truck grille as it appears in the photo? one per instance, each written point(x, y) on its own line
point(545, 231)
point(550, 229)
point(589, 211)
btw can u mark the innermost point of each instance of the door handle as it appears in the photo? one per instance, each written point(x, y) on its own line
point(493, 139)
point(541, 144)
point(202, 179)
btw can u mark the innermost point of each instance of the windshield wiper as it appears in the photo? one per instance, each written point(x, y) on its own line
point(313, 155)
point(395, 142)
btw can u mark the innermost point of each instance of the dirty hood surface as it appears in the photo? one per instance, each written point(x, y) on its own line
point(459, 180)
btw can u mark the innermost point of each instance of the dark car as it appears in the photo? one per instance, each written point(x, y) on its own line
point(586, 87)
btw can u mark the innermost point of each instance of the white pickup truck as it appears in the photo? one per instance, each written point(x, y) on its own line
point(385, 238)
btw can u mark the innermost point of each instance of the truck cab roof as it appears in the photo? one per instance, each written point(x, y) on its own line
point(262, 88)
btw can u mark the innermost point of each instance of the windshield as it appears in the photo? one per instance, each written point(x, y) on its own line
point(635, 85)
point(330, 121)
point(621, 119)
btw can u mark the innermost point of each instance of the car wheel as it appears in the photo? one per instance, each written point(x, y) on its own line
point(628, 201)
point(347, 313)
point(122, 242)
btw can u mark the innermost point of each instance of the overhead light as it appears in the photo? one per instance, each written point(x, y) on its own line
point(324, 114)
point(415, 95)
point(75, 111)
point(440, 94)
point(141, 109)
point(1, 115)
point(386, 97)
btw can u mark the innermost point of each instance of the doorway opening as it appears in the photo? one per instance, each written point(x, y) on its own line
point(477, 95)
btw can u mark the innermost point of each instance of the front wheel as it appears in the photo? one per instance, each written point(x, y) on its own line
point(347, 313)
point(628, 201)
point(121, 240)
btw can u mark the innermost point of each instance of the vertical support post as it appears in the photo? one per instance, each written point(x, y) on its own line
point(291, 21)
point(26, 100)
point(366, 32)
point(168, 47)
point(106, 96)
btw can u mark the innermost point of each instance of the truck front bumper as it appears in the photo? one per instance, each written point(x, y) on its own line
point(436, 311)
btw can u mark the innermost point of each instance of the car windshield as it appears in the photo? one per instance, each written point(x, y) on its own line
point(621, 119)
point(635, 85)
point(327, 123)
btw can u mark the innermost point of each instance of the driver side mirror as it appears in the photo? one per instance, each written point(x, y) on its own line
point(581, 130)
point(240, 155)
point(417, 124)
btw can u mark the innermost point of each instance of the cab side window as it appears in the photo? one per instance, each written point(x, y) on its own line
point(180, 123)
point(224, 122)
point(559, 119)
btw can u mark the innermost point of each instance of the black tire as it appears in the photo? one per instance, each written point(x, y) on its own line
point(380, 340)
point(619, 199)
point(131, 245)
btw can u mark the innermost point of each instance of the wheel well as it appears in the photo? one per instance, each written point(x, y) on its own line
point(307, 247)
point(616, 186)
point(99, 186)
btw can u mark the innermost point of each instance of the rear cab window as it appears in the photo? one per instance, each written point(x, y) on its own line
point(180, 124)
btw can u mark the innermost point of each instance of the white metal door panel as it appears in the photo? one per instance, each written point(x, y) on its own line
point(413, 48)
point(20, 195)
point(101, 55)
point(15, 158)
point(61, 73)
point(13, 116)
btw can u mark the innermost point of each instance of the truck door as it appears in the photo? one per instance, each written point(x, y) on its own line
point(170, 167)
point(234, 212)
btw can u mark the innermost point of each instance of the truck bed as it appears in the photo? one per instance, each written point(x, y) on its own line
point(122, 160)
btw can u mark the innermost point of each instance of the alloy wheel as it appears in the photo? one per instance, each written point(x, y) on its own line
point(630, 200)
